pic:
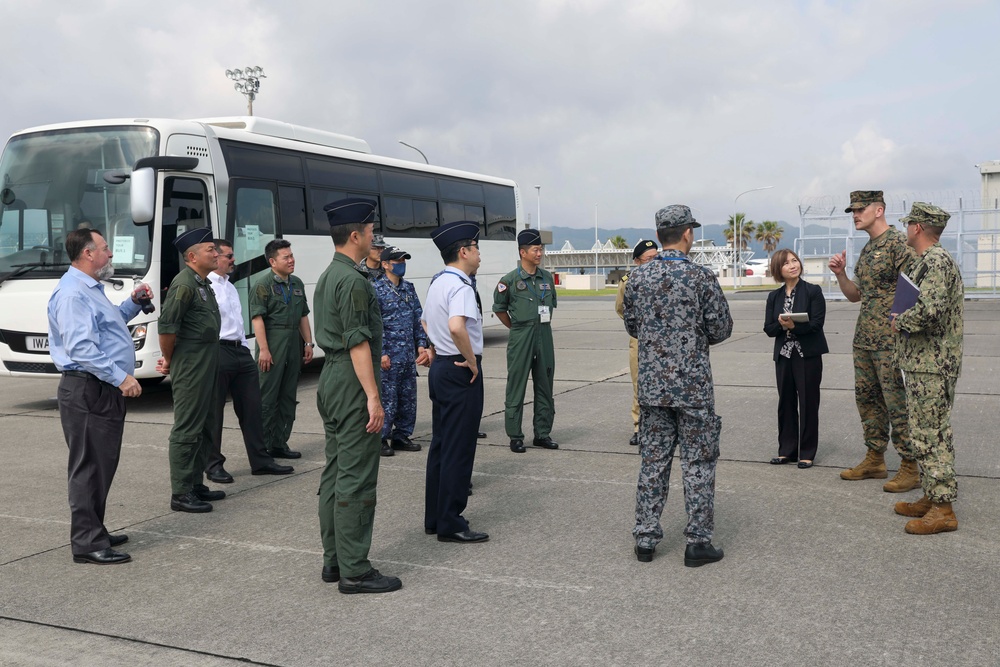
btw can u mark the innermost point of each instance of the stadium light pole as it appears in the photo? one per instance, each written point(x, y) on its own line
point(247, 83)
point(538, 197)
point(738, 231)
point(416, 149)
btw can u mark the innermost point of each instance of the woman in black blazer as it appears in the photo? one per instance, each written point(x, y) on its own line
point(798, 361)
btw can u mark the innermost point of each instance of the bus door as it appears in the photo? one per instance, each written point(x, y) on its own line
point(252, 223)
point(185, 207)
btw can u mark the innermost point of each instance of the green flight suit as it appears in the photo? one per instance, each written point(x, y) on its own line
point(191, 312)
point(529, 348)
point(282, 304)
point(347, 315)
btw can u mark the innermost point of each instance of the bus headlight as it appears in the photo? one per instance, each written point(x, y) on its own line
point(138, 336)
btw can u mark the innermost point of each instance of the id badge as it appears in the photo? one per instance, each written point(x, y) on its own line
point(544, 314)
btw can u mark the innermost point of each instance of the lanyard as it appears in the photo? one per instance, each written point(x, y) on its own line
point(286, 297)
point(671, 259)
point(479, 301)
point(527, 283)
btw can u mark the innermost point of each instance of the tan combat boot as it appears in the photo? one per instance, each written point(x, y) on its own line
point(873, 467)
point(939, 519)
point(917, 509)
point(906, 479)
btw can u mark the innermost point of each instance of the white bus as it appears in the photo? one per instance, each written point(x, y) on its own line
point(141, 182)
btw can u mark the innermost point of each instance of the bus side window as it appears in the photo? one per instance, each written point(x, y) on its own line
point(255, 214)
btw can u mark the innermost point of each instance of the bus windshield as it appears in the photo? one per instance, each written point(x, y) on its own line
point(53, 182)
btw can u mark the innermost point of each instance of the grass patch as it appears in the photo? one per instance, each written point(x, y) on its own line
point(607, 291)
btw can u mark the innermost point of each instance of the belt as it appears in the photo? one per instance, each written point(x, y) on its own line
point(86, 376)
point(455, 357)
point(231, 343)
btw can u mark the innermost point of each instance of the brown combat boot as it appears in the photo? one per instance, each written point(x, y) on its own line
point(906, 479)
point(917, 509)
point(873, 467)
point(939, 519)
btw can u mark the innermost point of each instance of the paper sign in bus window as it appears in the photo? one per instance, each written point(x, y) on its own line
point(124, 250)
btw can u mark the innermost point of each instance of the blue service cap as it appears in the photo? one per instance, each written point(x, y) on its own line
point(529, 237)
point(453, 232)
point(350, 211)
point(193, 237)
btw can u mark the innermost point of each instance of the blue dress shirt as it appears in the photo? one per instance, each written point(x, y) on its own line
point(87, 332)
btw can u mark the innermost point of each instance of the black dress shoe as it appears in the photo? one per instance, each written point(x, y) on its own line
point(103, 557)
point(781, 460)
point(386, 450)
point(404, 443)
point(634, 440)
point(371, 581)
point(284, 454)
point(546, 442)
point(331, 573)
point(481, 435)
point(188, 502)
point(205, 493)
point(465, 537)
point(428, 531)
point(805, 464)
point(118, 540)
point(219, 476)
point(696, 555)
point(273, 469)
point(517, 446)
point(644, 554)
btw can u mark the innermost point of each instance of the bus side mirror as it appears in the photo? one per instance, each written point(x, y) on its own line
point(142, 195)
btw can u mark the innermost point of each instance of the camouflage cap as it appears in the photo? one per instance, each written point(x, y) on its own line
point(926, 214)
point(675, 215)
point(862, 198)
point(378, 241)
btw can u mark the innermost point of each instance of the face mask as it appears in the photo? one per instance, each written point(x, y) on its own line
point(399, 269)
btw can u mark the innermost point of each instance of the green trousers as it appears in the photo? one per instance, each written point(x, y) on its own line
point(194, 371)
point(278, 387)
point(530, 350)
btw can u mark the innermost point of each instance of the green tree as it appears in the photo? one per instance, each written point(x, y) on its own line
point(769, 233)
point(746, 230)
point(619, 242)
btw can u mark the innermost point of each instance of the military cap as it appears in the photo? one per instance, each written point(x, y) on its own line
point(350, 211)
point(675, 215)
point(193, 237)
point(862, 198)
point(392, 252)
point(378, 241)
point(643, 246)
point(926, 214)
point(463, 230)
point(529, 237)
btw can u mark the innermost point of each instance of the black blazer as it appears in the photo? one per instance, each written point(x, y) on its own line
point(808, 299)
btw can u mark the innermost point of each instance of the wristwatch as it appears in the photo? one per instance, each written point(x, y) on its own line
point(310, 344)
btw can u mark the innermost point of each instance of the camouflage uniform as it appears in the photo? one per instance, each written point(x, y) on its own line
point(878, 385)
point(373, 274)
point(676, 309)
point(402, 335)
point(931, 358)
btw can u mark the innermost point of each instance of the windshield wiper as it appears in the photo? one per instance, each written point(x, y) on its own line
point(21, 269)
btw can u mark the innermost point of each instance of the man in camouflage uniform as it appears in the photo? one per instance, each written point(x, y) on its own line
point(404, 347)
point(371, 265)
point(676, 309)
point(929, 352)
point(878, 385)
point(641, 253)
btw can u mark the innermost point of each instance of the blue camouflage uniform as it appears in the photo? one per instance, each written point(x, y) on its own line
point(676, 309)
point(402, 335)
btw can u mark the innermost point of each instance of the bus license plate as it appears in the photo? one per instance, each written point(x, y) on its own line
point(38, 343)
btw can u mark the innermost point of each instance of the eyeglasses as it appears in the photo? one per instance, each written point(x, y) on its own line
point(228, 256)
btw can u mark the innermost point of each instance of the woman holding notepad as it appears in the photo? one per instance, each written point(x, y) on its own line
point(794, 319)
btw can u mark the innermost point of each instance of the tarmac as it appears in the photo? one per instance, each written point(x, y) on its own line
point(817, 571)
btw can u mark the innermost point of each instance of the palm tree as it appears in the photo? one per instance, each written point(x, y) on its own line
point(769, 233)
point(619, 242)
point(746, 228)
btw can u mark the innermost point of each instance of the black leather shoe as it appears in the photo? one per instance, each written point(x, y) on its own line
point(404, 443)
point(781, 460)
point(517, 446)
point(805, 464)
point(189, 502)
point(273, 469)
point(372, 581)
point(428, 531)
point(219, 476)
point(284, 454)
point(644, 554)
point(634, 440)
point(481, 435)
point(103, 557)
point(331, 574)
point(546, 443)
point(118, 540)
point(697, 555)
point(386, 449)
point(465, 537)
point(205, 493)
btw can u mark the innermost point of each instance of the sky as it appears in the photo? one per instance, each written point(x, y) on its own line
point(614, 107)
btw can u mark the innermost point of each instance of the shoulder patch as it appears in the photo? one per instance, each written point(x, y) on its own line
point(624, 279)
point(501, 286)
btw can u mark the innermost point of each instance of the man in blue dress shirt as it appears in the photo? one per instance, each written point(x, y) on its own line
point(91, 345)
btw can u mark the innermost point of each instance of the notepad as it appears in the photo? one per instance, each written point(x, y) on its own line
point(797, 317)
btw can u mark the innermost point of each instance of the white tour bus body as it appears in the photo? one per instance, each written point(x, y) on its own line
point(142, 182)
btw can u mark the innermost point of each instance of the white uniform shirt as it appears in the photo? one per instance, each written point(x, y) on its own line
point(451, 295)
point(229, 309)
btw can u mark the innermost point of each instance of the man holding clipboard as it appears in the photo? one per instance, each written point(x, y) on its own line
point(930, 357)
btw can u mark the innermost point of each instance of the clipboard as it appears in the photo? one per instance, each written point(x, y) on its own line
point(800, 318)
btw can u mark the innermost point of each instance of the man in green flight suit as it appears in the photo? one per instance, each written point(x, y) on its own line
point(280, 318)
point(524, 300)
point(349, 330)
point(189, 327)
